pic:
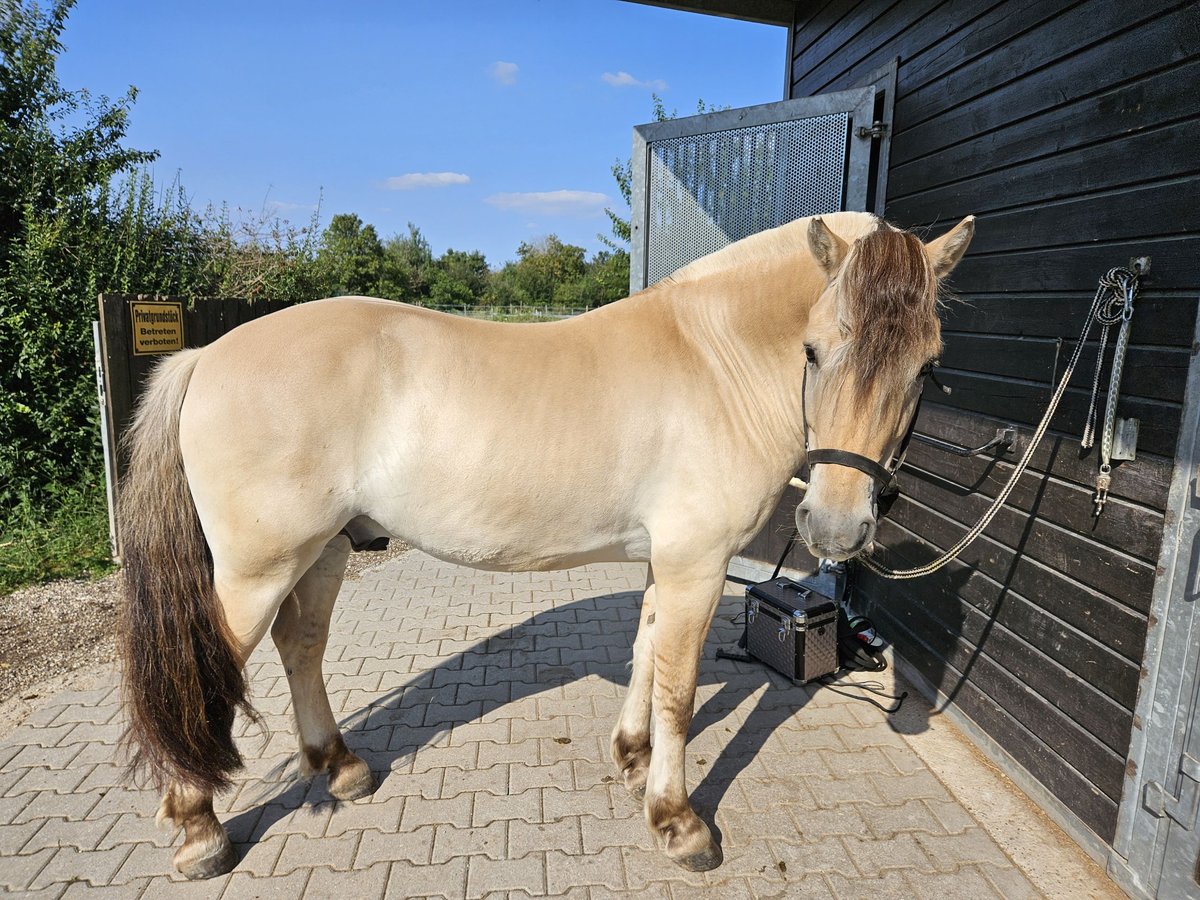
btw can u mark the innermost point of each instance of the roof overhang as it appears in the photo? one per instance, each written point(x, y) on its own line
point(768, 12)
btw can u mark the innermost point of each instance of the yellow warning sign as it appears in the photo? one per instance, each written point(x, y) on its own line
point(157, 327)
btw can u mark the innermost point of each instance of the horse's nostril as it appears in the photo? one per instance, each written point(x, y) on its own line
point(864, 535)
point(802, 527)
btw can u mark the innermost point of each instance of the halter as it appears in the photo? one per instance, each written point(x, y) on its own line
point(882, 476)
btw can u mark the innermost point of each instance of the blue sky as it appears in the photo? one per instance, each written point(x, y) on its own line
point(485, 123)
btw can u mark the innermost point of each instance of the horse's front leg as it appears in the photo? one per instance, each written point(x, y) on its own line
point(685, 598)
point(631, 735)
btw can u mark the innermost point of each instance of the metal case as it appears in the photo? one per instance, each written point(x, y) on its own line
point(792, 627)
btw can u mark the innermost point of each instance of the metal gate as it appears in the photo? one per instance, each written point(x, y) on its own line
point(1156, 852)
point(706, 181)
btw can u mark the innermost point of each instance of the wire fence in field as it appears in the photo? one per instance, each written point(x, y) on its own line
point(513, 313)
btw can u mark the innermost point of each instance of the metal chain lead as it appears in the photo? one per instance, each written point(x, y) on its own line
point(1109, 314)
point(1111, 282)
point(1128, 288)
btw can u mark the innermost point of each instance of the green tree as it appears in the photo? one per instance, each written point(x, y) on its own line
point(541, 271)
point(460, 278)
point(351, 255)
point(408, 267)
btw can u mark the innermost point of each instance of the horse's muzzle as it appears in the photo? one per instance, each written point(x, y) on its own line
point(833, 534)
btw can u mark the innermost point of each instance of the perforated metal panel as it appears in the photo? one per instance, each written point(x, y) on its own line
point(708, 190)
point(706, 181)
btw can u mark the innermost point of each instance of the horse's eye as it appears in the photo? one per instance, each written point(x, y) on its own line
point(810, 354)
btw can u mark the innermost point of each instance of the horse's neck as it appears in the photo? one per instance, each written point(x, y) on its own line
point(749, 327)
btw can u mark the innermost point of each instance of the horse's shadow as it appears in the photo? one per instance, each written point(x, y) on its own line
point(535, 648)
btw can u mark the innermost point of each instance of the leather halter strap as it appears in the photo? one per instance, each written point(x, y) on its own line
point(864, 464)
point(881, 475)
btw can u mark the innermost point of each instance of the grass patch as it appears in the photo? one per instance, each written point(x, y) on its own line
point(67, 541)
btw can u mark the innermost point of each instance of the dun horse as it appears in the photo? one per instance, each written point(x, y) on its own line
point(661, 428)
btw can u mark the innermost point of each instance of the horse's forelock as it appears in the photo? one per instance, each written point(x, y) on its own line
point(888, 305)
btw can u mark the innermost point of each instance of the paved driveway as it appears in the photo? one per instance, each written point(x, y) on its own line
point(484, 702)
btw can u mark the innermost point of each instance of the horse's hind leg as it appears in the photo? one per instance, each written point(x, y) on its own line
point(301, 631)
point(631, 735)
point(249, 605)
point(685, 598)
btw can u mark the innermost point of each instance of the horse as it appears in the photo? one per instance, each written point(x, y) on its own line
point(661, 428)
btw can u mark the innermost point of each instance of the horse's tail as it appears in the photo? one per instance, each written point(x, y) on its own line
point(183, 679)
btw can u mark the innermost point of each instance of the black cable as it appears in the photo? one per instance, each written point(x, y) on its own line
point(830, 681)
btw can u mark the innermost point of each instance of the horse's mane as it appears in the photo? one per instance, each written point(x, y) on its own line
point(888, 304)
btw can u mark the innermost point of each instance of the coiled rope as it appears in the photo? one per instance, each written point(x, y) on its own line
point(1116, 288)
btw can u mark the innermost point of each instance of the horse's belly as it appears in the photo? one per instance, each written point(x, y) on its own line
point(512, 524)
point(523, 549)
point(517, 560)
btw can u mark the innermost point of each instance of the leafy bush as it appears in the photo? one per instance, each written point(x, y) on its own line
point(71, 540)
point(54, 179)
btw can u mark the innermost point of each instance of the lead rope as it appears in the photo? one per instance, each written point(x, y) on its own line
point(1118, 278)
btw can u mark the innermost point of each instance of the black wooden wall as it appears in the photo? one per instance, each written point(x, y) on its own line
point(1072, 130)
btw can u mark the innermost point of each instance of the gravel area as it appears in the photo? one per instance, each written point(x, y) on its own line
point(50, 633)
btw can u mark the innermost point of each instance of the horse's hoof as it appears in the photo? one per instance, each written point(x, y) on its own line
point(634, 778)
point(704, 861)
point(196, 863)
point(352, 782)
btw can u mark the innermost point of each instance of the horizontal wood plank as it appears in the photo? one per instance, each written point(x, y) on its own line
point(1129, 527)
point(1026, 401)
point(995, 595)
point(822, 65)
point(1036, 71)
point(1158, 319)
point(947, 46)
point(927, 28)
point(1079, 268)
point(1157, 153)
point(1164, 209)
point(1097, 811)
point(1028, 695)
point(1120, 112)
point(1144, 481)
point(1154, 373)
point(1101, 568)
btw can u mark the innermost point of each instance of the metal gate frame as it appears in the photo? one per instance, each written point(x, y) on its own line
point(1156, 851)
point(859, 103)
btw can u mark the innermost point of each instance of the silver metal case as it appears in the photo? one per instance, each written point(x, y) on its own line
point(792, 627)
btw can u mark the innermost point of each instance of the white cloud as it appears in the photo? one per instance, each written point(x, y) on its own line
point(504, 72)
point(283, 207)
point(552, 203)
point(624, 79)
point(416, 180)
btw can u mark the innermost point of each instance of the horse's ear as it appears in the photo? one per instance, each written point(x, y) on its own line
point(827, 248)
point(946, 251)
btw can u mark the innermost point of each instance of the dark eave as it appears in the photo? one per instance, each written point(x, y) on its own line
point(768, 12)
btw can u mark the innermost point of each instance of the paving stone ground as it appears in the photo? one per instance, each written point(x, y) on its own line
point(484, 703)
